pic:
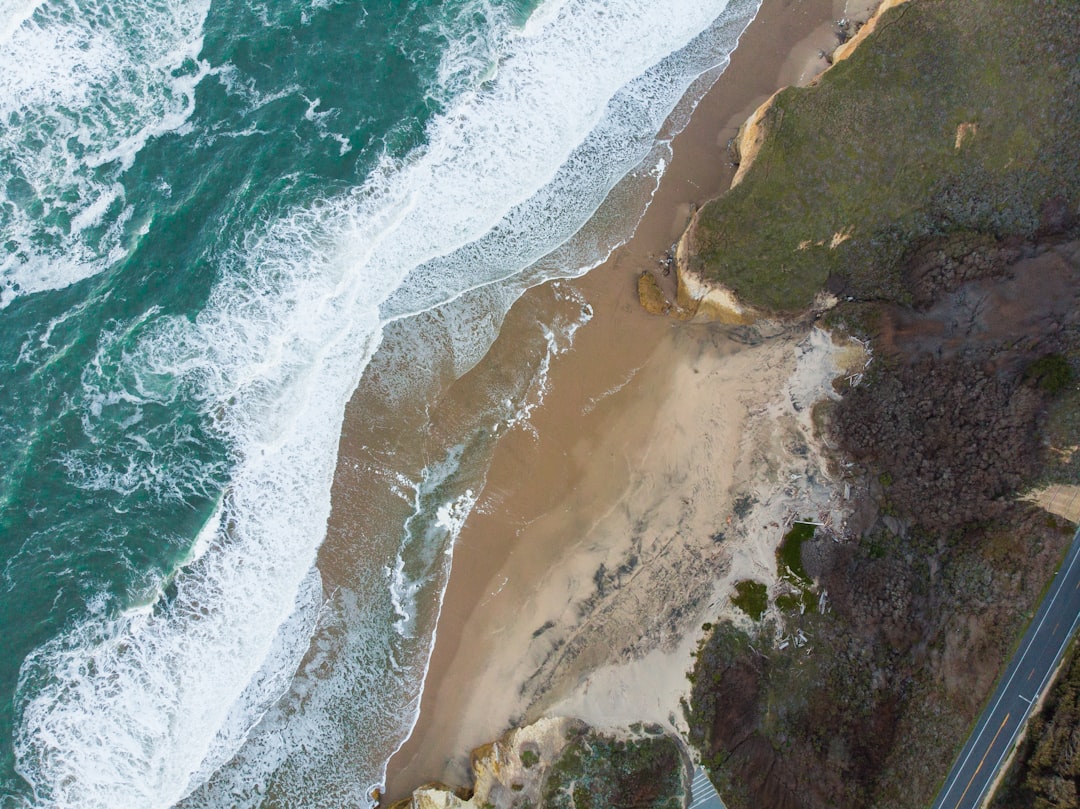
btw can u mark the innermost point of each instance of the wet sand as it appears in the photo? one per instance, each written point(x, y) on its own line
point(640, 447)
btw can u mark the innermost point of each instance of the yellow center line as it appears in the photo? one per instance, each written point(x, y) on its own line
point(983, 760)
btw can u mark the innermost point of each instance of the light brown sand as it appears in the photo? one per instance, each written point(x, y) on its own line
point(751, 418)
point(649, 431)
point(588, 605)
point(1059, 499)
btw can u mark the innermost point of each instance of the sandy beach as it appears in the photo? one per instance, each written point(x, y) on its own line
point(604, 534)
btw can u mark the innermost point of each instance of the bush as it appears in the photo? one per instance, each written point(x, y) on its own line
point(1050, 373)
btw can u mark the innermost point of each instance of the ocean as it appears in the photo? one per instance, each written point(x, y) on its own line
point(227, 226)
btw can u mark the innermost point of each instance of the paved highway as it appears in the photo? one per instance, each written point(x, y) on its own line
point(1022, 684)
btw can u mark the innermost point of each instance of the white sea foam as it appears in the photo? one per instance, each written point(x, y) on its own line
point(135, 711)
point(608, 136)
point(590, 406)
point(339, 694)
point(268, 684)
point(426, 537)
point(544, 14)
point(558, 339)
point(83, 87)
point(434, 537)
point(160, 461)
point(13, 13)
point(470, 53)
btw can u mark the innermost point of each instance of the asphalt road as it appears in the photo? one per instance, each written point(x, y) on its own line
point(1019, 688)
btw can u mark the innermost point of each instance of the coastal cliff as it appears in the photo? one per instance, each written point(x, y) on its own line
point(943, 122)
point(700, 294)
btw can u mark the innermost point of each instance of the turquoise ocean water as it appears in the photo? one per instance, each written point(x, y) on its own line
point(217, 219)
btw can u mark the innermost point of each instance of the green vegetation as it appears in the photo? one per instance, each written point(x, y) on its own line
point(789, 554)
point(789, 566)
point(882, 693)
point(597, 771)
point(803, 601)
point(751, 597)
point(789, 602)
point(1051, 373)
point(943, 152)
point(946, 122)
point(529, 758)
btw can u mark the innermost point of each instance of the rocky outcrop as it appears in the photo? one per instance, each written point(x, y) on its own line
point(510, 772)
point(652, 298)
point(560, 763)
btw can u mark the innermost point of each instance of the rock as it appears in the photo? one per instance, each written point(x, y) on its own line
point(651, 296)
point(894, 525)
point(539, 765)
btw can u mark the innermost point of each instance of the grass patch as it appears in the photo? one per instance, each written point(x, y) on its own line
point(858, 170)
point(804, 601)
point(751, 597)
point(789, 554)
point(789, 602)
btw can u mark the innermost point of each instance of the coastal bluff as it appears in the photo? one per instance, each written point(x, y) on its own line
point(941, 122)
point(703, 295)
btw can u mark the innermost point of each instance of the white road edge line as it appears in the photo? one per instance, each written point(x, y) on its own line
point(973, 740)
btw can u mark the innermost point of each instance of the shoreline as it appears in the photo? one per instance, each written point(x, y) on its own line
point(545, 487)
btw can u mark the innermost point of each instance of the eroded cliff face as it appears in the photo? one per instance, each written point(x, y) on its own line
point(695, 298)
point(711, 301)
point(560, 763)
point(752, 133)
